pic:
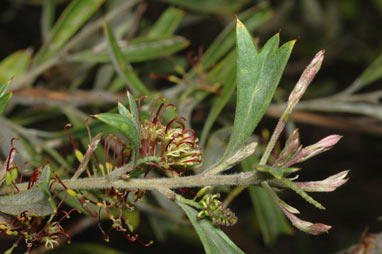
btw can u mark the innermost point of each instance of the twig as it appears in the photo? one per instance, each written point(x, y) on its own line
point(242, 179)
point(295, 96)
point(39, 96)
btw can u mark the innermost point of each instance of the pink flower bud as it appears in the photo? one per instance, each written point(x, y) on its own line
point(327, 185)
point(329, 141)
point(306, 226)
point(321, 146)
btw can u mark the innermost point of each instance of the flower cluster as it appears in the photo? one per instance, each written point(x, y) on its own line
point(176, 147)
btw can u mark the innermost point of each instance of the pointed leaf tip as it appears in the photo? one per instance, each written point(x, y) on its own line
point(239, 24)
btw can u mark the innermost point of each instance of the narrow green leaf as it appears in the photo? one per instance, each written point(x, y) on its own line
point(14, 65)
point(372, 73)
point(133, 115)
point(70, 21)
point(124, 124)
point(4, 101)
point(47, 17)
point(33, 200)
point(137, 50)
point(134, 109)
point(257, 77)
point(123, 68)
point(271, 220)
point(4, 96)
point(167, 23)
point(214, 240)
point(123, 110)
point(4, 87)
point(211, 6)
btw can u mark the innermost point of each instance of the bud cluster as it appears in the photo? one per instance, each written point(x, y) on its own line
point(213, 208)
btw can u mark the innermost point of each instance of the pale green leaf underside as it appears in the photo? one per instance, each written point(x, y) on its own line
point(32, 200)
point(124, 124)
point(214, 240)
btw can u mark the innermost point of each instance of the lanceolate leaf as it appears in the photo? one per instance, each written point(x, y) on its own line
point(167, 23)
point(257, 77)
point(14, 65)
point(124, 124)
point(73, 17)
point(133, 115)
point(33, 200)
point(123, 68)
point(4, 96)
point(47, 17)
point(4, 101)
point(372, 73)
point(138, 50)
point(214, 240)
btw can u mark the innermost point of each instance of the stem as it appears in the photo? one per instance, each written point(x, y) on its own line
point(295, 96)
point(188, 202)
point(242, 179)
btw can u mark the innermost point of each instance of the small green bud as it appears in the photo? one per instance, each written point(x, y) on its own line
point(8, 178)
point(14, 173)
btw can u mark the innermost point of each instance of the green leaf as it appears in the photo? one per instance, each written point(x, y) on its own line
point(211, 6)
point(372, 73)
point(133, 115)
point(138, 50)
point(33, 200)
point(167, 23)
point(271, 220)
point(123, 68)
point(4, 96)
point(70, 21)
point(134, 110)
point(124, 124)
point(4, 87)
point(14, 65)
point(214, 240)
point(47, 17)
point(4, 101)
point(257, 77)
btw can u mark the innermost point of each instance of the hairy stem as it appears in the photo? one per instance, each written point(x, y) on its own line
point(242, 179)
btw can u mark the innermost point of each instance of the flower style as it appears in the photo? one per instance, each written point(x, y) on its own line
point(176, 147)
